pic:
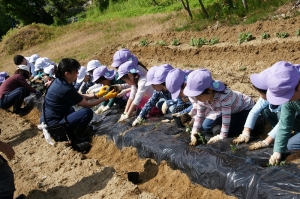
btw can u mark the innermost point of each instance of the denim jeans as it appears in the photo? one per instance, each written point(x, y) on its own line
point(294, 142)
point(7, 186)
point(14, 98)
point(161, 102)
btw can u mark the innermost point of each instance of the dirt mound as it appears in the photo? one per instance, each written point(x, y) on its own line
point(26, 37)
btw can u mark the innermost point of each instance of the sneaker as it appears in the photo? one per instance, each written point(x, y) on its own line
point(258, 145)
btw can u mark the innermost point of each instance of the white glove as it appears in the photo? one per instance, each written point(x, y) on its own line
point(99, 110)
point(215, 139)
point(137, 121)
point(275, 158)
point(164, 108)
point(177, 114)
point(123, 117)
point(122, 93)
point(193, 138)
point(244, 137)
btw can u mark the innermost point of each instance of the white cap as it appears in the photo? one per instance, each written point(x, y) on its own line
point(41, 63)
point(81, 74)
point(33, 58)
point(93, 64)
point(49, 70)
point(23, 67)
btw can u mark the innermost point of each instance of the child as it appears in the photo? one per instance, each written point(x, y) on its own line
point(156, 77)
point(130, 74)
point(107, 77)
point(89, 83)
point(3, 77)
point(175, 83)
point(284, 88)
point(15, 89)
point(216, 105)
point(81, 80)
point(270, 112)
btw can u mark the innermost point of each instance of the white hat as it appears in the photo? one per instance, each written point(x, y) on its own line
point(81, 74)
point(23, 67)
point(49, 70)
point(93, 64)
point(41, 63)
point(33, 58)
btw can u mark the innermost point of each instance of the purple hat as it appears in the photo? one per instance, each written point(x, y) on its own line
point(282, 80)
point(259, 80)
point(3, 76)
point(103, 71)
point(174, 80)
point(159, 75)
point(128, 67)
point(199, 80)
point(122, 56)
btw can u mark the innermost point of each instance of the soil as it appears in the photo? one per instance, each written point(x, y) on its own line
point(44, 171)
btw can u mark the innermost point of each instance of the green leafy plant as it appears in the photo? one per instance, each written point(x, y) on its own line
point(282, 34)
point(244, 37)
point(198, 42)
point(201, 138)
point(234, 147)
point(161, 43)
point(123, 46)
point(213, 41)
point(243, 68)
point(175, 42)
point(298, 32)
point(188, 129)
point(265, 36)
point(144, 42)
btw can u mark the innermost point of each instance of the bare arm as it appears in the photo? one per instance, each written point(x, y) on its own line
point(7, 150)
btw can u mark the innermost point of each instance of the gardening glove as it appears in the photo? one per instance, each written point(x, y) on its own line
point(38, 94)
point(275, 158)
point(137, 121)
point(215, 139)
point(177, 114)
point(122, 93)
point(99, 110)
point(193, 138)
point(123, 117)
point(102, 91)
point(244, 137)
point(258, 145)
point(110, 94)
point(117, 87)
point(164, 108)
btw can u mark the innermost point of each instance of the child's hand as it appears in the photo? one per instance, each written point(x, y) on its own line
point(111, 94)
point(164, 108)
point(244, 137)
point(102, 91)
point(123, 117)
point(137, 121)
point(177, 114)
point(193, 138)
point(275, 158)
point(215, 139)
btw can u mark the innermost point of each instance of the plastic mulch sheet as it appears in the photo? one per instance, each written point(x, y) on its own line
point(240, 173)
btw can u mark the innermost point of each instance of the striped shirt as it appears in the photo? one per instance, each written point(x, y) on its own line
point(224, 103)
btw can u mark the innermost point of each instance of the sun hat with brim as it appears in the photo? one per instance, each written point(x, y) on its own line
point(41, 63)
point(81, 74)
point(174, 81)
point(120, 57)
point(159, 75)
point(259, 79)
point(49, 70)
point(282, 80)
point(92, 65)
point(199, 80)
point(128, 67)
point(3, 76)
point(150, 73)
point(33, 58)
point(23, 67)
point(103, 71)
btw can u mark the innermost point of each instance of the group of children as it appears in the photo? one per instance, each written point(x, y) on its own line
point(217, 112)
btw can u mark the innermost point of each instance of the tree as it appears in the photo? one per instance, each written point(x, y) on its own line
point(185, 4)
point(203, 9)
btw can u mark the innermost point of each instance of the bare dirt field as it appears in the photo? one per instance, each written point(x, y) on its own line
point(44, 171)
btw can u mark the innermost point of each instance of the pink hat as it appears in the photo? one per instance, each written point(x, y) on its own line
point(259, 80)
point(103, 71)
point(283, 77)
point(199, 80)
point(122, 56)
point(175, 79)
point(128, 67)
point(159, 75)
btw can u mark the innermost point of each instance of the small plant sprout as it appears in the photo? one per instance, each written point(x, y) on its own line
point(188, 129)
point(244, 37)
point(298, 32)
point(175, 42)
point(157, 124)
point(213, 41)
point(265, 36)
point(243, 68)
point(282, 34)
point(201, 138)
point(198, 42)
point(162, 43)
point(144, 42)
point(234, 147)
point(123, 46)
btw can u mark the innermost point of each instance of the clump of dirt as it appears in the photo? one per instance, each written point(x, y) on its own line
point(26, 37)
point(293, 158)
